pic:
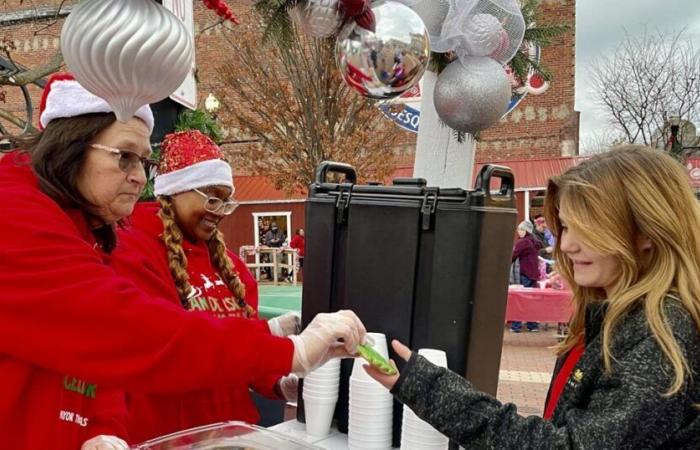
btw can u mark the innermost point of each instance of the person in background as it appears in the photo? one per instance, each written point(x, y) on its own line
point(72, 331)
point(274, 238)
point(544, 237)
point(628, 243)
point(173, 248)
point(298, 242)
point(526, 251)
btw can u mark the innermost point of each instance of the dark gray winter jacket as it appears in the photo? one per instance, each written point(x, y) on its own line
point(623, 410)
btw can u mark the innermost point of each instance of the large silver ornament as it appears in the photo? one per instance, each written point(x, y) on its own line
point(472, 94)
point(317, 18)
point(389, 61)
point(129, 52)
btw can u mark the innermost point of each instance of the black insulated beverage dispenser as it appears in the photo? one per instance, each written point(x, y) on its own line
point(425, 265)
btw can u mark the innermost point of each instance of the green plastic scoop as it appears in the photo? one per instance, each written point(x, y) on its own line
point(375, 359)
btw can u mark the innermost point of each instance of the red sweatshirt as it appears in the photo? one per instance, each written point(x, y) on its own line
point(142, 256)
point(71, 328)
point(298, 243)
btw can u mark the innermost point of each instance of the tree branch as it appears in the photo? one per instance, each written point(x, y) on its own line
point(24, 77)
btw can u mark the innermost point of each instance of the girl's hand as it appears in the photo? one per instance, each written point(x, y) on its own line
point(388, 381)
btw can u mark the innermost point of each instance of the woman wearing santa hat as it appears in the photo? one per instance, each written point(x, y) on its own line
point(172, 247)
point(71, 328)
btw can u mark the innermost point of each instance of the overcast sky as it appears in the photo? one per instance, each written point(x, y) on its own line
point(601, 25)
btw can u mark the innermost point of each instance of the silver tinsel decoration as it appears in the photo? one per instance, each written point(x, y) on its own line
point(472, 94)
point(318, 18)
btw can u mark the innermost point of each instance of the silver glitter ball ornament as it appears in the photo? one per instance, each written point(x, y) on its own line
point(472, 94)
point(388, 61)
point(317, 18)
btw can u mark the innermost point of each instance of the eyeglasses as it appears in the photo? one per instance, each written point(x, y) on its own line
point(216, 205)
point(130, 161)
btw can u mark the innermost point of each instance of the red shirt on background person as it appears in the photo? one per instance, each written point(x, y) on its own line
point(298, 242)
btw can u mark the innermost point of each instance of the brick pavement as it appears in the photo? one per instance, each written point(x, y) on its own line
point(527, 362)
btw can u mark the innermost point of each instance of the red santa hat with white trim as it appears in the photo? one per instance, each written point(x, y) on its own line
point(64, 97)
point(190, 160)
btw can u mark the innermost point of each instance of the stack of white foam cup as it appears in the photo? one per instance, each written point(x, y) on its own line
point(370, 405)
point(320, 393)
point(415, 433)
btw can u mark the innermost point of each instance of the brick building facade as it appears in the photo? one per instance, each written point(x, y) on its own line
point(540, 127)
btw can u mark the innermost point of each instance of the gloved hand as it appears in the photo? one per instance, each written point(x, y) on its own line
point(286, 324)
point(104, 442)
point(318, 343)
point(289, 387)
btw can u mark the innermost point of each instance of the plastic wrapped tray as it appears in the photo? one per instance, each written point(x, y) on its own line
point(225, 436)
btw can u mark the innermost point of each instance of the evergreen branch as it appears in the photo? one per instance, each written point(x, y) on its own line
point(522, 63)
point(278, 25)
point(544, 35)
point(529, 11)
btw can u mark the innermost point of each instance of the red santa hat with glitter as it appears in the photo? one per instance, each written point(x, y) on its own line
point(190, 160)
point(63, 97)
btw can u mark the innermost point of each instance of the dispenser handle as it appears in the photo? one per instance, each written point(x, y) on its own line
point(483, 182)
point(332, 166)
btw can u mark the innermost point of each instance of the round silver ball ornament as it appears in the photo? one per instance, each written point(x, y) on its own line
point(384, 63)
point(472, 94)
point(317, 18)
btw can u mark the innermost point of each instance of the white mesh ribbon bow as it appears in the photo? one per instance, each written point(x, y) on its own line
point(493, 28)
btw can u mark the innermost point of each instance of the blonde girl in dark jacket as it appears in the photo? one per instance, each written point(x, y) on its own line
point(628, 243)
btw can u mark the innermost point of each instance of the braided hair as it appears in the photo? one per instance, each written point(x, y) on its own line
point(177, 260)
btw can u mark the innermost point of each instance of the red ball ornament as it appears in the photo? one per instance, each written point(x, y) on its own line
point(536, 84)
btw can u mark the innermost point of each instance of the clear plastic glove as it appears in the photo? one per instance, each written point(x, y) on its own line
point(289, 387)
point(319, 343)
point(104, 442)
point(286, 324)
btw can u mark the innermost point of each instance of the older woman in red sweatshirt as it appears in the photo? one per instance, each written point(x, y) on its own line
point(71, 328)
point(173, 248)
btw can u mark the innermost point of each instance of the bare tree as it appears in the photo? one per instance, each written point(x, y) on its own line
point(600, 141)
point(15, 77)
point(649, 80)
point(292, 101)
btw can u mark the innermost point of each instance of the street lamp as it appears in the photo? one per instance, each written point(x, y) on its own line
point(212, 104)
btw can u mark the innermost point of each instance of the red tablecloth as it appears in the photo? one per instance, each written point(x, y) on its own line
point(538, 305)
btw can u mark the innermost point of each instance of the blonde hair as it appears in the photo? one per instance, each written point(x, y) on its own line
point(177, 260)
point(615, 199)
